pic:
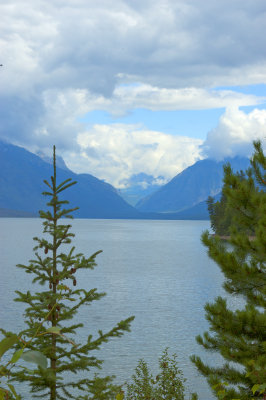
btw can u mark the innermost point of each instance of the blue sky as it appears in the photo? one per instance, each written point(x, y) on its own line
point(133, 86)
point(192, 123)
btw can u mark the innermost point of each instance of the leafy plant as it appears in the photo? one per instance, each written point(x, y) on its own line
point(31, 356)
point(167, 385)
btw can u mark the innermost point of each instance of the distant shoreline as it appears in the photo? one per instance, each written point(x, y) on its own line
point(8, 213)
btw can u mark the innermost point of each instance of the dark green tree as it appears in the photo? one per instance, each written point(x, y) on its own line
point(221, 213)
point(49, 311)
point(240, 335)
point(219, 218)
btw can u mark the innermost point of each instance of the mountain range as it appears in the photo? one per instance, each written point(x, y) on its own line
point(21, 186)
point(191, 187)
point(184, 197)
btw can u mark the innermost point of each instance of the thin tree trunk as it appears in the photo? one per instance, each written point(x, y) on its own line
point(54, 277)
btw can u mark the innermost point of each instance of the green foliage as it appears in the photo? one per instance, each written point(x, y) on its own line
point(6, 345)
point(257, 389)
point(101, 389)
point(240, 335)
point(29, 356)
point(167, 385)
point(221, 213)
point(257, 373)
point(51, 269)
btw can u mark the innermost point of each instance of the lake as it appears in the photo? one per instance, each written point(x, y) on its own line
point(156, 270)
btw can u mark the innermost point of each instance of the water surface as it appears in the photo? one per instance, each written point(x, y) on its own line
point(156, 270)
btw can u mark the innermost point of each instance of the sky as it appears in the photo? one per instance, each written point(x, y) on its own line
point(125, 87)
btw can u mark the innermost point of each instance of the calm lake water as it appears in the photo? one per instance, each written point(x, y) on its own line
point(156, 270)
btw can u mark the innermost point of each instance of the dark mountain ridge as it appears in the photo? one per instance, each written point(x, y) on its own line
point(21, 186)
point(190, 187)
point(184, 197)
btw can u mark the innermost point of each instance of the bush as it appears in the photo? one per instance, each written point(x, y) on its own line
point(167, 385)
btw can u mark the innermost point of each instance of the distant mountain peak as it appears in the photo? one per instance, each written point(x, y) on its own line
point(190, 187)
point(59, 160)
point(140, 185)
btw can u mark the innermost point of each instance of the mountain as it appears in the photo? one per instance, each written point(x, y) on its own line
point(199, 212)
point(184, 197)
point(21, 184)
point(60, 163)
point(139, 186)
point(191, 187)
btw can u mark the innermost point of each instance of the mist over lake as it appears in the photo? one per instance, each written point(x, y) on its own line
point(156, 270)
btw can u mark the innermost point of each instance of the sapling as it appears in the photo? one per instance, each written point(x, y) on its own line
point(57, 272)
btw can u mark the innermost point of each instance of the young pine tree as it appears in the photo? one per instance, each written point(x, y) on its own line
point(240, 335)
point(60, 300)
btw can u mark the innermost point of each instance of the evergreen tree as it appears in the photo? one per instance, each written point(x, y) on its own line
point(220, 217)
point(240, 335)
point(51, 269)
point(221, 213)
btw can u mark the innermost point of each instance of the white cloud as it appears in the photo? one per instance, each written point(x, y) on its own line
point(63, 59)
point(154, 98)
point(95, 45)
point(115, 152)
point(235, 133)
point(77, 102)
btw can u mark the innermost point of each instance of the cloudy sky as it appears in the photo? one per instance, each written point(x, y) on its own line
point(123, 87)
